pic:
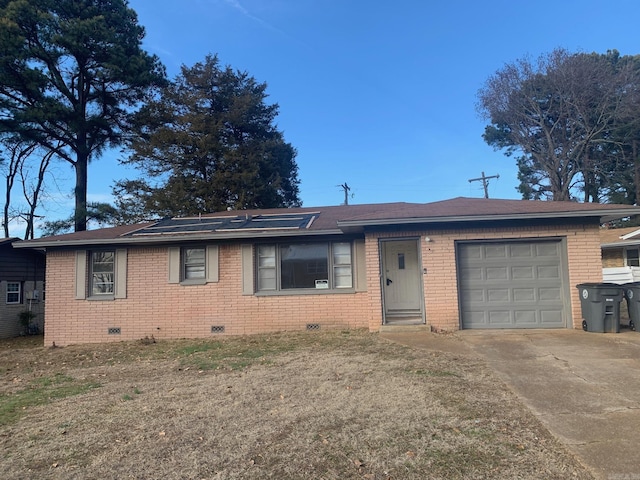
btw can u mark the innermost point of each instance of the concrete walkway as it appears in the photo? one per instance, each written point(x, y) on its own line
point(584, 387)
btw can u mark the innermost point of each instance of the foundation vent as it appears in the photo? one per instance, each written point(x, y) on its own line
point(217, 328)
point(113, 331)
point(312, 327)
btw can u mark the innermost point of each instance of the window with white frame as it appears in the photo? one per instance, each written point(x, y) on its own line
point(14, 293)
point(193, 263)
point(632, 257)
point(342, 271)
point(102, 273)
point(298, 266)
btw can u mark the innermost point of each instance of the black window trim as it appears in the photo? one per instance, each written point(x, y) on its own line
point(626, 256)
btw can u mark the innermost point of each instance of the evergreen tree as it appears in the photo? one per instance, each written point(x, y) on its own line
point(206, 144)
point(71, 71)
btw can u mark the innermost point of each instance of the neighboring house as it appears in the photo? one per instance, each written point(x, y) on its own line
point(620, 254)
point(21, 288)
point(461, 263)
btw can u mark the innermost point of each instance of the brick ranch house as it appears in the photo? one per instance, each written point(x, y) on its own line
point(460, 263)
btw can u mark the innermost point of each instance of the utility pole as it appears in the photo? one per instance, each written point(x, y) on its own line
point(346, 189)
point(485, 182)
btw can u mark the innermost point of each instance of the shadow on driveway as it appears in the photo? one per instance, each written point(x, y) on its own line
point(584, 387)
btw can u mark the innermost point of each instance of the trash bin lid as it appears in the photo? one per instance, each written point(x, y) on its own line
point(599, 290)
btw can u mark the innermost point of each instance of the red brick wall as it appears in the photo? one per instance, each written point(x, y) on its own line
point(440, 282)
point(155, 307)
point(613, 257)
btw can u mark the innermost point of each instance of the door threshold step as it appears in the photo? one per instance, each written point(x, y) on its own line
point(389, 328)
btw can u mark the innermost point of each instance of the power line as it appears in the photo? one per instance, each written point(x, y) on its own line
point(346, 189)
point(485, 182)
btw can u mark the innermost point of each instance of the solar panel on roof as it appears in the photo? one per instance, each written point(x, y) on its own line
point(189, 225)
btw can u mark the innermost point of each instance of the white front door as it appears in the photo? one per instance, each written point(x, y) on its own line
point(401, 279)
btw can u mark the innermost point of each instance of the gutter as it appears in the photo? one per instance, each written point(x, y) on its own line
point(164, 239)
point(621, 244)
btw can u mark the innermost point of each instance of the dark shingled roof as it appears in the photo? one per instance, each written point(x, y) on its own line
point(331, 220)
point(610, 237)
point(462, 207)
point(9, 240)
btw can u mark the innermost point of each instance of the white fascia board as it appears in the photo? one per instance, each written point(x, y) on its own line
point(630, 235)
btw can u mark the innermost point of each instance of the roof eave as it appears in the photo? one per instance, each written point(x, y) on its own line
point(611, 216)
point(163, 239)
point(628, 243)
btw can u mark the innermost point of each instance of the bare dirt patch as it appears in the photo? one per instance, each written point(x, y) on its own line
point(323, 405)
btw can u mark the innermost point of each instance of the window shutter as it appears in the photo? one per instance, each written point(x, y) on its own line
point(81, 274)
point(121, 273)
point(360, 264)
point(174, 264)
point(247, 269)
point(212, 263)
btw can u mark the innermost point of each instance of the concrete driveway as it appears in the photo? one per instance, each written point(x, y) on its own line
point(585, 387)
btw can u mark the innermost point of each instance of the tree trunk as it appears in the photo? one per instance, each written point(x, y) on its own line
point(33, 201)
point(5, 213)
point(636, 171)
point(81, 192)
point(586, 177)
point(14, 165)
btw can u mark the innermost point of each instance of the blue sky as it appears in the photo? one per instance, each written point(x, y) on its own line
point(378, 94)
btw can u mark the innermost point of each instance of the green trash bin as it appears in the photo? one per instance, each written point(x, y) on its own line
point(600, 304)
point(632, 295)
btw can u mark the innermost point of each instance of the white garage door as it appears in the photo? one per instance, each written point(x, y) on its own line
point(512, 284)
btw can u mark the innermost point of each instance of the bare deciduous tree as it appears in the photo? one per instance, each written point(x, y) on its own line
point(32, 189)
point(558, 114)
point(17, 152)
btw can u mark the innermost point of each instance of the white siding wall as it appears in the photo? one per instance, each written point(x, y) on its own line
point(621, 275)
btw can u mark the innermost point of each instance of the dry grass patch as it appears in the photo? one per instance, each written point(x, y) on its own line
point(323, 405)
